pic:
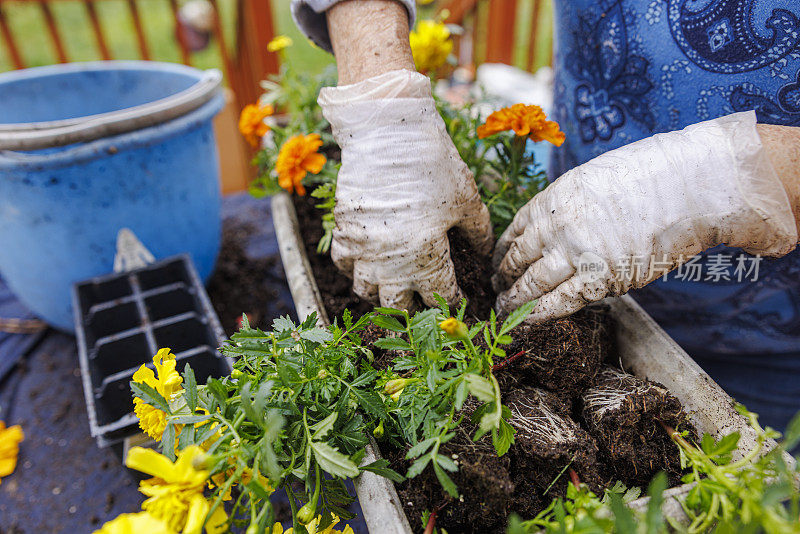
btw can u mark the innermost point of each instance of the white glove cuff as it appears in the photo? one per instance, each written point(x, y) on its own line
point(759, 187)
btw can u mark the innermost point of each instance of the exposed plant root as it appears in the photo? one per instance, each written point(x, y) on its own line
point(624, 414)
point(547, 439)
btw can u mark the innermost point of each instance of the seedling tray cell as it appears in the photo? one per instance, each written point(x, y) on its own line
point(121, 320)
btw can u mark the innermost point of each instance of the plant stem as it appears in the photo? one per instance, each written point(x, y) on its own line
point(508, 361)
point(573, 476)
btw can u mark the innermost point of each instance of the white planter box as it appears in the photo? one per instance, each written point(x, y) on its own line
point(644, 349)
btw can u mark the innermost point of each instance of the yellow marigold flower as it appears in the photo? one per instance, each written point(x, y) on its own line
point(430, 45)
point(279, 43)
point(175, 493)
point(525, 120)
point(135, 524)
point(277, 528)
point(10, 438)
point(298, 157)
point(251, 122)
point(167, 382)
point(454, 327)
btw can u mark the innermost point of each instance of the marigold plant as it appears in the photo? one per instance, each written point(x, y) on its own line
point(251, 122)
point(313, 527)
point(279, 42)
point(298, 157)
point(135, 524)
point(166, 381)
point(10, 438)
point(526, 121)
point(431, 45)
point(175, 493)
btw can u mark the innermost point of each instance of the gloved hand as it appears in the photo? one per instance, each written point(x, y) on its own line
point(626, 217)
point(401, 187)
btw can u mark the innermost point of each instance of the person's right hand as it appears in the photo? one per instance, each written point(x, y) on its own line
point(630, 215)
point(401, 187)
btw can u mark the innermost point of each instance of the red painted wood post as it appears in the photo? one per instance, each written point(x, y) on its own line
point(11, 45)
point(186, 54)
point(52, 29)
point(533, 38)
point(500, 32)
point(98, 30)
point(144, 50)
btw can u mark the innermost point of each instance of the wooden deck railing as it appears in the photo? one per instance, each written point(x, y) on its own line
point(497, 35)
point(244, 68)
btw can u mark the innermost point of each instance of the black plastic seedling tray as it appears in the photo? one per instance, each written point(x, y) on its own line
point(121, 320)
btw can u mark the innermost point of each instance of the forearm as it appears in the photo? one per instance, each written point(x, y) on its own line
point(369, 38)
point(782, 144)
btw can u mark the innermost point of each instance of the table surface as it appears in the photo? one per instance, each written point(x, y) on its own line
point(63, 482)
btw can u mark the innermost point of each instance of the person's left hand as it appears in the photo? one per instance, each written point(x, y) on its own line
point(629, 216)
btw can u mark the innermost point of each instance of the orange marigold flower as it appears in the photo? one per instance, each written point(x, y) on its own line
point(525, 120)
point(298, 157)
point(251, 122)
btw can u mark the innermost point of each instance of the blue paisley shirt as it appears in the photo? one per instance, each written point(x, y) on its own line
point(627, 69)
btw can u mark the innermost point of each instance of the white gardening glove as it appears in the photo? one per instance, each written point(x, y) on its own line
point(665, 198)
point(401, 187)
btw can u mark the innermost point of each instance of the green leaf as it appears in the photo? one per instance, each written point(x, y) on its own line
point(420, 448)
point(418, 466)
point(322, 428)
point(150, 396)
point(370, 401)
point(287, 373)
point(480, 387)
point(654, 520)
point(217, 390)
point(461, 394)
point(282, 324)
point(364, 379)
point(390, 311)
point(247, 406)
point(316, 335)
point(389, 323)
point(623, 517)
point(446, 482)
point(446, 463)
point(381, 468)
point(189, 419)
point(332, 461)
point(168, 442)
point(190, 386)
point(392, 343)
point(503, 437)
point(791, 436)
point(517, 316)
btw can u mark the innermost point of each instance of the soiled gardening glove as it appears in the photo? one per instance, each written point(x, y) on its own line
point(628, 216)
point(401, 186)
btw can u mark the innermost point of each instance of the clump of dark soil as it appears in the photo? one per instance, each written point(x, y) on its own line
point(485, 480)
point(625, 415)
point(563, 355)
point(245, 283)
point(474, 274)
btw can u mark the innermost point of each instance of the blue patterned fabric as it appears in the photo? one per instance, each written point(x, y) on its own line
point(627, 69)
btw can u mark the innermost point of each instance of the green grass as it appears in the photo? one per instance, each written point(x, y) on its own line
point(30, 32)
